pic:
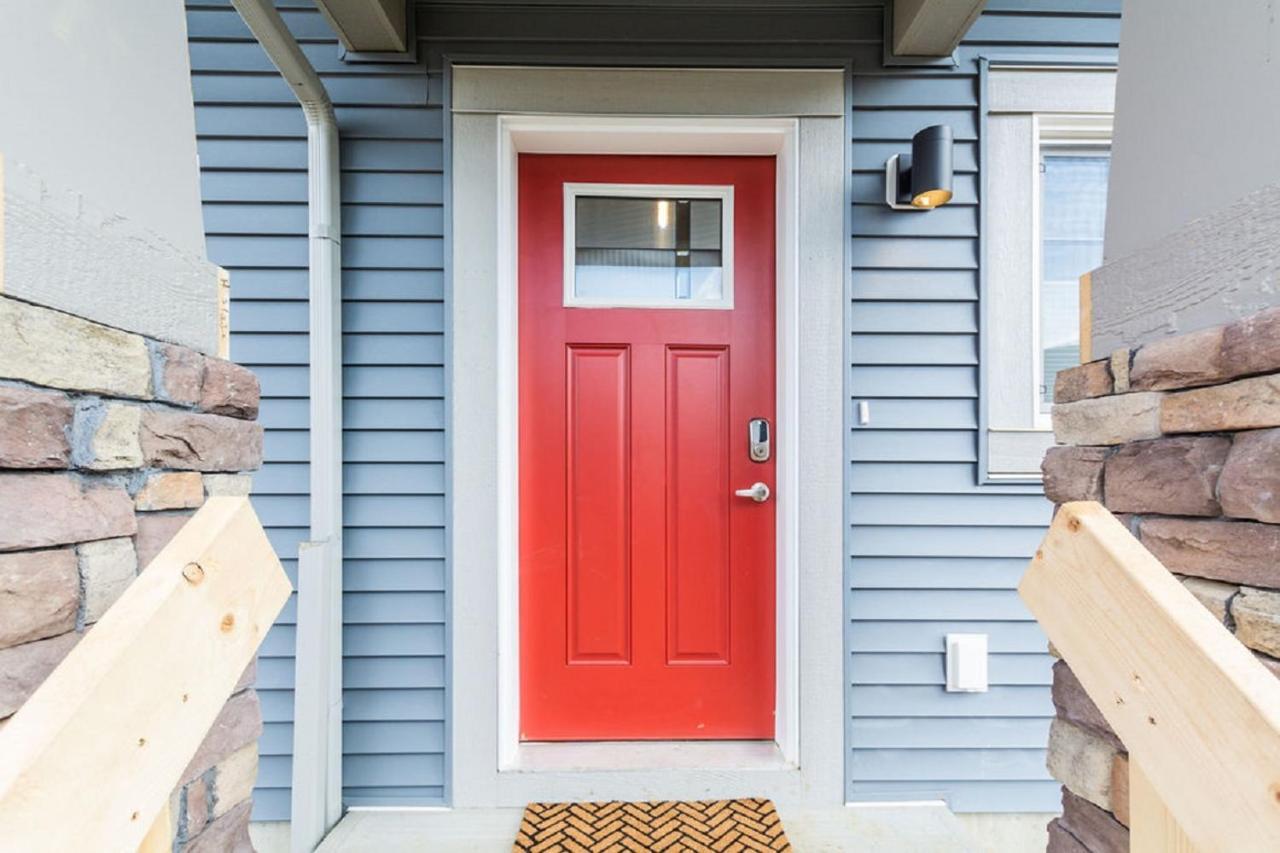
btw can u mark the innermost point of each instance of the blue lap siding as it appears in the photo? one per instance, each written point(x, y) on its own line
point(930, 550)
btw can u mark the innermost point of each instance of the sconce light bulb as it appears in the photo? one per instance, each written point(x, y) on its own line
point(931, 198)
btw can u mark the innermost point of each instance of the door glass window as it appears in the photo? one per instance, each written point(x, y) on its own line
point(1073, 217)
point(662, 252)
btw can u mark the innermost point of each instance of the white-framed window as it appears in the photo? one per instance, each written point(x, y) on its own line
point(1048, 154)
point(648, 246)
point(1072, 205)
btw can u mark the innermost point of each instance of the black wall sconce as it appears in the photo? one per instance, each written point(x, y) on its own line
point(921, 180)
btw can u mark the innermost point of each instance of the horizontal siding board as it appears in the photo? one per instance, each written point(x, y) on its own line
point(398, 796)
point(932, 733)
point(269, 88)
point(393, 608)
point(914, 285)
point(927, 317)
point(918, 413)
point(402, 703)
point(987, 795)
point(407, 737)
point(910, 381)
point(425, 575)
point(923, 478)
point(913, 541)
point(937, 604)
point(393, 640)
point(373, 673)
point(912, 573)
point(1057, 7)
point(284, 121)
point(1055, 30)
point(226, 24)
point(870, 635)
point(930, 669)
point(975, 510)
point(895, 252)
point(868, 445)
point(927, 701)
point(902, 124)
point(358, 285)
point(883, 221)
point(289, 219)
point(1001, 764)
point(393, 769)
point(883, 91)
point(246, 56)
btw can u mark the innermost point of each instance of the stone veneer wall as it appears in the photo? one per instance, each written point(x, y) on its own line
point(1179, 438)
point(108, 443)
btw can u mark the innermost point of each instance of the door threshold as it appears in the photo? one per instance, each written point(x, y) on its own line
point(592, 756)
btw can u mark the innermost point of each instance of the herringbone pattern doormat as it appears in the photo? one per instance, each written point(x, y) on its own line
point(672, 826)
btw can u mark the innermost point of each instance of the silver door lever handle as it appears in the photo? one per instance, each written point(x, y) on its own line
point(758, 492)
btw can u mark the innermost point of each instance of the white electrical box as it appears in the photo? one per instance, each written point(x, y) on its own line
point(966, 663)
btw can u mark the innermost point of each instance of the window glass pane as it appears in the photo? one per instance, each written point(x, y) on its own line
point(638, 250)
point(1073, 191)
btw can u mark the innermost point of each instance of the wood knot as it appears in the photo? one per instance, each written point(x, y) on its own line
point(228, 622)
point(194, 573)
point(1073, 524)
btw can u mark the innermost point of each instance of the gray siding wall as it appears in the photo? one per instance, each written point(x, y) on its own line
point(252, 146)
point(930, 550)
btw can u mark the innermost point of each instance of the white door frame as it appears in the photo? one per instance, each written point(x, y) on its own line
point(616, 135)
point(492, 767)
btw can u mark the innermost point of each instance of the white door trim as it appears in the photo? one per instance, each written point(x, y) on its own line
point(489, 765)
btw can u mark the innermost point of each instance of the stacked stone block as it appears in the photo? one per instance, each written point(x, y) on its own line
point(1179, 438)
point(109, 442)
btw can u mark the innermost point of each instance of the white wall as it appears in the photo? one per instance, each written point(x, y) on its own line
point(95, 97)
point(1197, 114)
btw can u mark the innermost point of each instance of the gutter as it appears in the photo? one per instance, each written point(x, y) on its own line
point(317, 697)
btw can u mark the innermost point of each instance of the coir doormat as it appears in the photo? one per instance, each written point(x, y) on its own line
point(673, 826)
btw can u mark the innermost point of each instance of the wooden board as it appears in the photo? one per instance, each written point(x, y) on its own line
point(1193, 706)
point(224, 313)
point(1155, 828)
point(1086, 318)
point(89, 761)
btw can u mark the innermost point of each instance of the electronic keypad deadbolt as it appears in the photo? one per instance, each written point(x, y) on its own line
point(758, 439)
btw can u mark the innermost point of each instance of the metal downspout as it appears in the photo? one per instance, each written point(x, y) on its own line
point(317, 710)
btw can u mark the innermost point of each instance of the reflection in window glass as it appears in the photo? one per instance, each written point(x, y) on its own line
point(647, 249)
point(1073, 192)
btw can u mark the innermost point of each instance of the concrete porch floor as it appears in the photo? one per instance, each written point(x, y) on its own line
point(866, 828)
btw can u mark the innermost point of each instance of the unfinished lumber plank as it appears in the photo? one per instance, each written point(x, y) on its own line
point(159, 839)
point(89, 761)
point(1154, 829)
point(1190, 703)
point(1086, 318)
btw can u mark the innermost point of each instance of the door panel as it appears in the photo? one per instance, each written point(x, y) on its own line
point(599, 523)
point(647, 587)
point(697, 605)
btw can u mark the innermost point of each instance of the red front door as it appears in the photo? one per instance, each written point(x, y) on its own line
point(646, 584)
